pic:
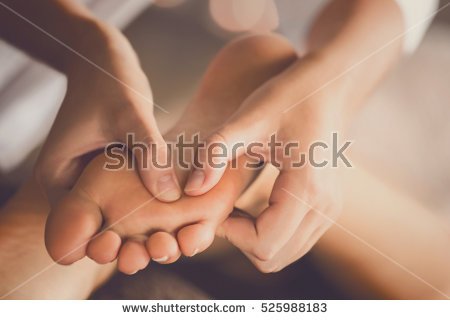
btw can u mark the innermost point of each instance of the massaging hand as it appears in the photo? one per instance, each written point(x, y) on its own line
point(103, 103)
point(305, 199)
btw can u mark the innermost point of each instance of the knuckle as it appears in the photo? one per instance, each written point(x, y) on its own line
point(265, 252)
point(278, 269)
point(266, 267)
point(301, 254)
point(307, 248)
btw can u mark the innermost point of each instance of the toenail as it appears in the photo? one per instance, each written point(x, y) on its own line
point(162, 259)
point(195, 180)
point(167, 188)
point(194, 252)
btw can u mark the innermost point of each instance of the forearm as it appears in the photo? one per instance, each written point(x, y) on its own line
point(359, 41)
point(53, 30)
point(350, 49)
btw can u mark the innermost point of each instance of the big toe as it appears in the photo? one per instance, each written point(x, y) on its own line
point(70, 226)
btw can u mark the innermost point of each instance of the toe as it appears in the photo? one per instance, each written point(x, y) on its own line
point(104, 247)
point(163, 247)
point(132, 257)
point(195, 238)
point(70, 226)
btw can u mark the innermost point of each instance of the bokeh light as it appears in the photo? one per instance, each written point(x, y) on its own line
point(244, 16)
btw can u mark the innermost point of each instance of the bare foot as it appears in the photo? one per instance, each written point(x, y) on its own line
point(109, 215)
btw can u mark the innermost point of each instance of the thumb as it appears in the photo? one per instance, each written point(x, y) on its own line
point(221, 147)
point(266, 235)
point(60, 163)
point(154, 163)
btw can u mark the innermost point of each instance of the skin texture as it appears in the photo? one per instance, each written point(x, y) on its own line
point(332, 50)
point(89, 120)
point(117, 203)
point(388, 220)
point(94, 217)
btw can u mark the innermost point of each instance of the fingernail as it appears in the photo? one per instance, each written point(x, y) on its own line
point(162, 259)
point(195, 180)
point(167, 189)
point(194, 252)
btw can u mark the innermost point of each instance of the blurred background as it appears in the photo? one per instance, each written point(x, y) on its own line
point(402, 132)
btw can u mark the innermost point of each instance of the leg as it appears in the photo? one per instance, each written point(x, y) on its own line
point(407, 234)
point(26, 271)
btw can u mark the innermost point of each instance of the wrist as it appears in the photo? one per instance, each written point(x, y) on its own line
point(338, 81)
point(315, 86)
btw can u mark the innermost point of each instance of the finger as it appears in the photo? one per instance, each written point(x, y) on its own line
point(326, 218)
point(226, 144)
point(310, 243)
point(213, 159)
point(309, 232)
point(267, 235)
point(291, 249)
point(298, 245)
point(62, 159)
point(153, 161)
